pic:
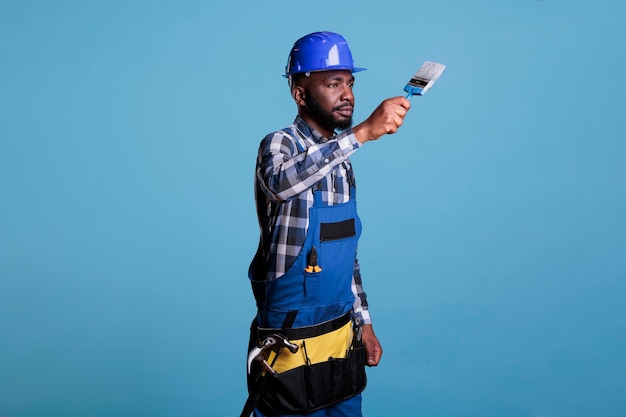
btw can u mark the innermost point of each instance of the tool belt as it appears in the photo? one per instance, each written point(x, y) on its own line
point(328, 367)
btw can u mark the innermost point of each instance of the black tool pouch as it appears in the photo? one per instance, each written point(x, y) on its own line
point(310, 387)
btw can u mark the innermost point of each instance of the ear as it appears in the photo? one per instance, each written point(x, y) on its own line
point(298, 95)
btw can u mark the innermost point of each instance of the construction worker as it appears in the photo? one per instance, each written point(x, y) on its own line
point(305, 275)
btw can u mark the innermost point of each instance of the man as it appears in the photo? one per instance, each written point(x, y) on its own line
point(305, 275)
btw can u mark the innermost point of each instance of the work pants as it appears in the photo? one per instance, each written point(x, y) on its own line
point(348, 408)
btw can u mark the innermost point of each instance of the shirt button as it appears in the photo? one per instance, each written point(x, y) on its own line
point(326, 160)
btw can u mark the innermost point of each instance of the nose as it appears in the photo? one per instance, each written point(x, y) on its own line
point(347, 94)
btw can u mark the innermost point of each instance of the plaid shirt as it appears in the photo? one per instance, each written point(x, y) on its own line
point(284, 174)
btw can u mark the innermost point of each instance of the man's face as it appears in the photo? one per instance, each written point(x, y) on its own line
point(329, 99)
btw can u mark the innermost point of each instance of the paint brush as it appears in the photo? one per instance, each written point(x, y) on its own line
point(424, 78)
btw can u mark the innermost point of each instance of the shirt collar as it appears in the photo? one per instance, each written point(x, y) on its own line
point(308, 131)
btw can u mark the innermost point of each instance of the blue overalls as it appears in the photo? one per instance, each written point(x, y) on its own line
point(299, 298)
point(318, 296)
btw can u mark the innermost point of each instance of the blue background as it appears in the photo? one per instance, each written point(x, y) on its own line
point(495, 231)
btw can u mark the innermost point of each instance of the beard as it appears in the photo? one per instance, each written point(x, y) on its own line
point(326, 118)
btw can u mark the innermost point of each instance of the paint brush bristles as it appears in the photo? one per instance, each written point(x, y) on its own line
point(424, 78)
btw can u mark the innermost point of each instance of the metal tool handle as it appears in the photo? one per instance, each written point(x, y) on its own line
point(275, 343)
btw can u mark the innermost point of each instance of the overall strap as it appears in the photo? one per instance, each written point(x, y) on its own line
point(293, 131)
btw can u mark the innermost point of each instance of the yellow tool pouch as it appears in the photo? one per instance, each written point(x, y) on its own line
point(329, 367)
point(317, 349)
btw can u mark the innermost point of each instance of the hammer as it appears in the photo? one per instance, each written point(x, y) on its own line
point(273, 342)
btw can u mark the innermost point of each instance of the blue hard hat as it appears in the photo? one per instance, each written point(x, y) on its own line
point(320, 51)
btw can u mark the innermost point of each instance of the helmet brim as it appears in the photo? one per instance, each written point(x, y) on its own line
point(337, 68)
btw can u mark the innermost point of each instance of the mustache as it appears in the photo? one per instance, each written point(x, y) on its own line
point(343, 106)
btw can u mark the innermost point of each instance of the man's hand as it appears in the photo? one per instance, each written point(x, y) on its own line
point(372, 347)
point(386, 119)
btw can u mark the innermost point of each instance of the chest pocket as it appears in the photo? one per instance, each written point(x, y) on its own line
point(337, 231)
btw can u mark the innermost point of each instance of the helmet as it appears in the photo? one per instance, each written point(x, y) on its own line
point(320, 51)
